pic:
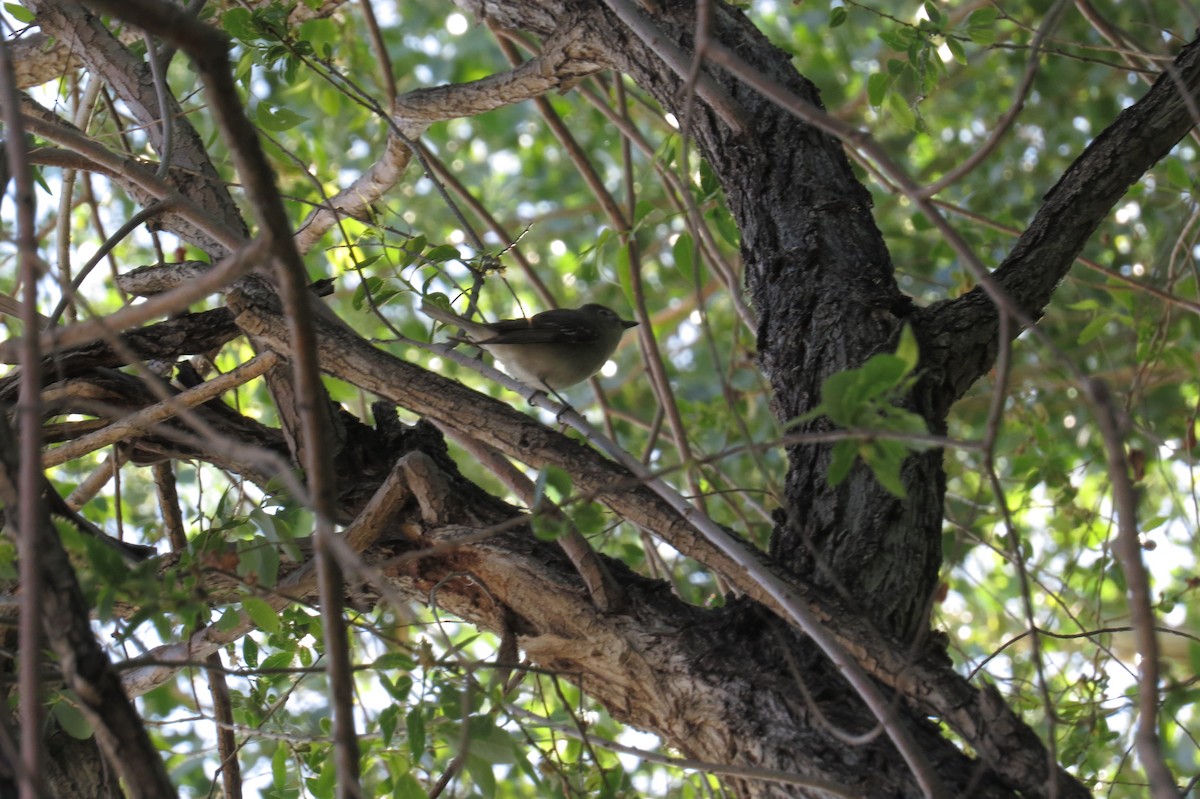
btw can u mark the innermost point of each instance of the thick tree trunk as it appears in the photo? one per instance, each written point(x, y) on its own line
point(823, 285)
point(76, 769)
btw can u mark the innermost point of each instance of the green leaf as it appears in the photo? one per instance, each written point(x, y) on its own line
point(589, 518)
point(550, 526)
point(323, 784)
point(363, 264)
point(277, 661)
point(681, 251)
point(407, 787)
point(885, 459)
point(844, 454)
point(71, 718)
point(901, 420)
point(262, 614)
point(258, 561)
point(641, 211)
point(709, 183)
point(483, 775)
point(983, 17)
point(443, 253)
point(901, 112)
point(8, 559)
point(41, 180)
point(489, 742)
point(250, 651)
point(864, 398)
point(553, 483)
point(239, 24)
point(725, 225)
point(414, 247)
point(597, 246)
point(1193, 654)
point(275, 530)
point(398, 689)
point(981, 26)
point(392, 661)
point(624, 273)
point(277, 120)
point(227, 621)
point(956, 49)
point(1178, 173)
point(907, 350)
point(935, 16)
point(882, 373)
point(877, 88)
point(414, 725)
point(837, 16)
point(280, 768)
point(1093, 329)
point(983, 37)
point(20, 13)
point(840, 398)
point(897, 38)
point(389, 717)
point(439, 300)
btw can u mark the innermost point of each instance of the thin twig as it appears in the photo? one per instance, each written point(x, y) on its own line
point(28, 418)
point(97, 479)
point(707, 89)
point(1015, 107)
point(222, 274)
point(378, 46)
point(1137, 582)
point(230, 769)
point(72, 287)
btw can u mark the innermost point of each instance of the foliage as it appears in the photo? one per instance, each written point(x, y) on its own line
point(864, 402)
point(928, 81)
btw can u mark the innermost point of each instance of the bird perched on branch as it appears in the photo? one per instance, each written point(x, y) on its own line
point(552, 350)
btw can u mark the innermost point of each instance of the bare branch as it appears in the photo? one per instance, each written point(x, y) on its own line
point(561, 64)
point(145, 420)
point(1149, 748)
point(29, 481)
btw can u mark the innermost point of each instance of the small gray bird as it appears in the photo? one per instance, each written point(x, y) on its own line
point(552, 350)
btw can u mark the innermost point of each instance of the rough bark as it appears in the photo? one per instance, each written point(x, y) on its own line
point(823, 285)
point(75, 768)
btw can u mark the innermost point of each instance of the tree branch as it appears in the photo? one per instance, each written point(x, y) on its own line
point(1142, 135)
point(982, 718)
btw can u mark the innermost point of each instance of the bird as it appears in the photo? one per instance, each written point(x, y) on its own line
point(551, 350)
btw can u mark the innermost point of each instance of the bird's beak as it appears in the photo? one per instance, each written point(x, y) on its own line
point(627, 324)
